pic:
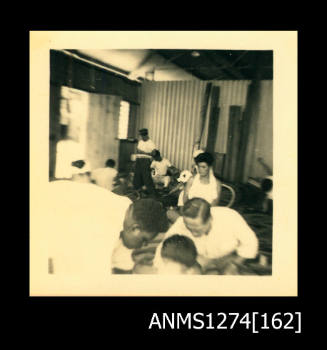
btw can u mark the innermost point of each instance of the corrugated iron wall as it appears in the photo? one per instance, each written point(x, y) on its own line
point(263, 146)
point(171, 112)
point(232, 93)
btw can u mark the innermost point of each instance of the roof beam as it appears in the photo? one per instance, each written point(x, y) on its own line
point(222, 74)
point(217, 59)
point(189, 70)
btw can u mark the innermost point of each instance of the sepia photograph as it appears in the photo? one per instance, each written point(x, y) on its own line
point(163, 163)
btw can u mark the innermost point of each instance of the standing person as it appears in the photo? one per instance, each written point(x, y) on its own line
point(142, 176)
point(160, 167)
point(204, 184)
point(104, 177)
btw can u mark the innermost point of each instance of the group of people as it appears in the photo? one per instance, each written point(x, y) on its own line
point(151, 169)
point(88, 229)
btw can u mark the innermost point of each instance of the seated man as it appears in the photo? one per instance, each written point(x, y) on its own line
point(159, 168)
point(220, 235)
point(105, 177)
point(178, 254)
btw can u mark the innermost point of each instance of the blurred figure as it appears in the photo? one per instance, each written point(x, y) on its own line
point(87, 231)
point(79, 224)
point(105, 177)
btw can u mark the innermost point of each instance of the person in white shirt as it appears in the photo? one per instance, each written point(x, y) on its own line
point(81, 224)
point(142, 175)
point(75, 228)
point(204, 184)
point(221, 235)
point(105, 177)
point(159, 168)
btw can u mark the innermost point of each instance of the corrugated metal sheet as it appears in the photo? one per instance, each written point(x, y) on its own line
point(171, 112)
point(232, 93)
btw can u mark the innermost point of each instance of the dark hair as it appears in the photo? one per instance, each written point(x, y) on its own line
point(196, 207)
point(204, 157)
point(78, 163)
point(266, 185)
point(155, 153)
point(180, 249)
point(150, 215)
point(110, 163)
point(143, 131)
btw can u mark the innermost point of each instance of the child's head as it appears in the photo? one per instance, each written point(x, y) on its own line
point(156, 155)
point(110, 163)
point(179, 255)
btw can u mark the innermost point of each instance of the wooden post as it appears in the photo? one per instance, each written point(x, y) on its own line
point(233, 143)
point(248, 133)
point(249, 125)
point(213, 120)
point(204, 110)
point(54, 127)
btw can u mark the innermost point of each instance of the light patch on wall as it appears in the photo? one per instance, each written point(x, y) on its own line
point(123, 120)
